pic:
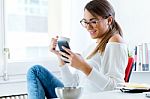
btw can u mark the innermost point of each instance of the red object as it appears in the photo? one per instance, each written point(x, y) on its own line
point(128, 69)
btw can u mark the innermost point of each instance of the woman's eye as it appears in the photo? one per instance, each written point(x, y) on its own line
point(86, 22)
point(94, 22)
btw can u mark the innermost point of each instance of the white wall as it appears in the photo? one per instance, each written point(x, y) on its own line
point(133, 16)
point(54, 21)
point(80, 37)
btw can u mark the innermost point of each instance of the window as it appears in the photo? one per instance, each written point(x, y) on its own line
point(24, 35)
point(26, 28)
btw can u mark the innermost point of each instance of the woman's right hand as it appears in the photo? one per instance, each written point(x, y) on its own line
point(52, 48)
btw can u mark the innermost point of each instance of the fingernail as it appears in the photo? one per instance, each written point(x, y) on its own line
point(63, 47)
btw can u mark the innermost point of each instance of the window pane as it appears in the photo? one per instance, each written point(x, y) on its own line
point(26, 28)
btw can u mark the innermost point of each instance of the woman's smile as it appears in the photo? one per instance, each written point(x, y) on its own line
point(92, 32)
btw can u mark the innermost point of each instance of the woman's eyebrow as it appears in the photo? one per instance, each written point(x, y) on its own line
point(93, 19)
point(89, 19)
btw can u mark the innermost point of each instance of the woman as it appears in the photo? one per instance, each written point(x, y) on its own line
point(101, 70)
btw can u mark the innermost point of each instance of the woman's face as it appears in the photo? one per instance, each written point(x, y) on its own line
point(96, 26)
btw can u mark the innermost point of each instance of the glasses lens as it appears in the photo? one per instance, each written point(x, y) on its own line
point(93, 22)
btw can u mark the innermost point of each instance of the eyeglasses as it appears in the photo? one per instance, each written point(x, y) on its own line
point(92, 22)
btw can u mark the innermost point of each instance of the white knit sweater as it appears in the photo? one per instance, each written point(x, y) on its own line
point(108, 69)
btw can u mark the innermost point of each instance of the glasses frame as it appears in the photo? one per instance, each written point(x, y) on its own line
point(93, 22)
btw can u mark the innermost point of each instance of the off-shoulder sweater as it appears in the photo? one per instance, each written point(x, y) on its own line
point(108, 69)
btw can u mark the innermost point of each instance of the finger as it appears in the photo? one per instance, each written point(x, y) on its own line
point(64, 54)
point(53, 43)
point(65, 59)
point(67, 50)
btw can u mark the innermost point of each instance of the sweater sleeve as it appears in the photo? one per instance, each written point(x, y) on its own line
point(69, 78)
point(114, 61)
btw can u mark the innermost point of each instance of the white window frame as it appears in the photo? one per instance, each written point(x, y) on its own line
point(2, 37)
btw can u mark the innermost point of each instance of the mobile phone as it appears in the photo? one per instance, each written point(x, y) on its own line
point(63, 42)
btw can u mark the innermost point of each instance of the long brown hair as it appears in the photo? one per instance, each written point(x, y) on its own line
point(104, 9)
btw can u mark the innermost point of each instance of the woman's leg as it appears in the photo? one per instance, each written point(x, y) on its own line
point(41, 83)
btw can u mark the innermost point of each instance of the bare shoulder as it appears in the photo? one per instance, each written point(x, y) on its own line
point(116, 38)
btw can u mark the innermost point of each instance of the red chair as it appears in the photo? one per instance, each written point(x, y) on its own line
point(128, 69)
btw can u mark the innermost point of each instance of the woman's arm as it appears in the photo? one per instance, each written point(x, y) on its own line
point(113, 65)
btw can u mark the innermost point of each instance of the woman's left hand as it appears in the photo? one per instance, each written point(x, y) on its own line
point(76, 60)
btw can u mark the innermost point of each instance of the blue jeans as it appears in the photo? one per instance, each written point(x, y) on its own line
point(41, 83)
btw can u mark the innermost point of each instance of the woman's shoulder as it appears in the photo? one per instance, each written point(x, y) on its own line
point(116, 38)
point(116, 42)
